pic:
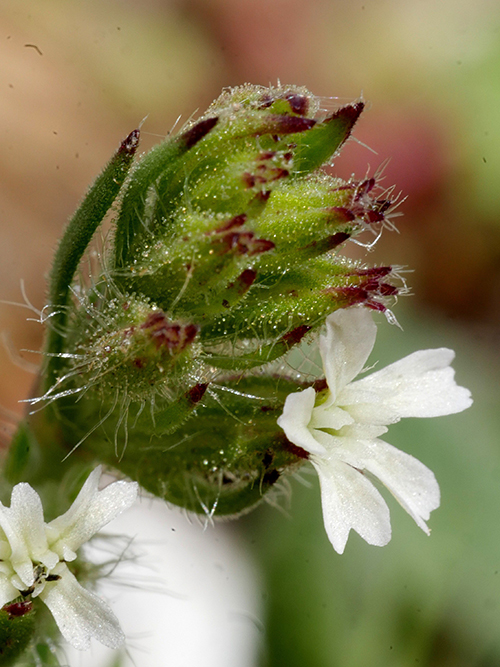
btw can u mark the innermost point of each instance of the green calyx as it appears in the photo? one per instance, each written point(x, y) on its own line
point(78, 234)
point(17, 629)
point(174, 364)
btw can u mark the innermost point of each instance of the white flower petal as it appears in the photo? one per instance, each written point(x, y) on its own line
point(23, 526)
point(331, 417)
point(342, 432)
point(5, 550)
point(363, 431)
point(296, 416)
point(79, 613)
point(91, 510)
point(350, 337)
point(5, 569)
point(17, 582)
point(419, 385)
point(8, 592)
point(350, 500)
point(410, 481)
point(17, 545)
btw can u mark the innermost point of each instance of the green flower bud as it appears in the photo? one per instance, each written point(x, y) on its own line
point(174, 364)
point(17, 629)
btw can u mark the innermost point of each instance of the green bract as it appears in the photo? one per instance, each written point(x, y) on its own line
point(17, 627)
point(173, 363)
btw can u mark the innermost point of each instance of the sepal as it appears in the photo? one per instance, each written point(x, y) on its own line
point(17, 630)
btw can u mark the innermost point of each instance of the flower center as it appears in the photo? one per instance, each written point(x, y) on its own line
point(42, 575)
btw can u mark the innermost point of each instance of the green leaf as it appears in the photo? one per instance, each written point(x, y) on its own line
point(75, 240)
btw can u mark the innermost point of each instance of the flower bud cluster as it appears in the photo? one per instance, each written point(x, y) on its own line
point(225, 258)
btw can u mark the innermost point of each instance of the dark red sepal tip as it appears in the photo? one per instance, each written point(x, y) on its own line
point(289, 124)
point(299, 104)
point(337, 239)
point(198, 131)
point(237, 221)
point(320, 385)
point(129, 144)
point(350, 113)
point(246, 279)
point(373, 271)
point(196, 393)
point(17, 609)
point(375, 305)
point(295, 336)
point(294, 449)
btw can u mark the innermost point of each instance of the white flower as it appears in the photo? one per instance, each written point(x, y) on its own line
point(33, 557)
point(340, 428)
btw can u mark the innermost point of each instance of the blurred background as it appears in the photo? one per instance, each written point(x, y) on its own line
point(76, 76)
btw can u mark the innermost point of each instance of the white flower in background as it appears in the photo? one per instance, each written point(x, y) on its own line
point(340, 428)
point(33, 557)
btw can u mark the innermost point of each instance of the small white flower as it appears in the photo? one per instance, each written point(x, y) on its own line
point(33, 557)
point(340, 428)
